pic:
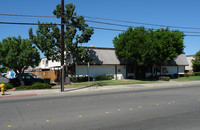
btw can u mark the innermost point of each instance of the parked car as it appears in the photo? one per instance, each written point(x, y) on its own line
point(27, 78)
point(4, 74)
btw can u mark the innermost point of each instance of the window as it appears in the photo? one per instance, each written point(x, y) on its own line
point(28, 77)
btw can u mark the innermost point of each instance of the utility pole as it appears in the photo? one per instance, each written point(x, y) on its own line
point(62, 45)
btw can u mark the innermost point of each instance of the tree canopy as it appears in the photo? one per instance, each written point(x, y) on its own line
point(47, 37)
point(18, 54)
point(142, 47)
point(196, 62)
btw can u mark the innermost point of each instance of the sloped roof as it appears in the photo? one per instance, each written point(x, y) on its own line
point(107, 56)
point(104, 56)
point(180, 60)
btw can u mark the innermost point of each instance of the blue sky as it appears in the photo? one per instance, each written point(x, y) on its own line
point(170, 12)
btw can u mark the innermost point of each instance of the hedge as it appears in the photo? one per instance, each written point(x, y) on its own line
point(187, 75)
point(104, 77)
point(81, 79)
point(8, 86)
point(164, 78)
point(197, 73)
point(36, 85)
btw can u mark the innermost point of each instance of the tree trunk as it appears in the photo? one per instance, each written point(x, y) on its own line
point(135, 72)
point(20, 79)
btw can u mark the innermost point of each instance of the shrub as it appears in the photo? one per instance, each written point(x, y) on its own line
point(164, 78)
point(36, 85)
point(187, 75)
point(153, 77)
point(130, 77)
point(8, 86)
point(81, 79)
point(41, 85)
point(197, 73)
point(181, 75)
point(104, 77)
point(175, 75)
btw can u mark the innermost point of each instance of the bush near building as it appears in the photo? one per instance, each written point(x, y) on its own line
point(164, 78)
point(104, 77)
point(80, 79)
point(8, 86)
point(36, 85)
point(197, 73)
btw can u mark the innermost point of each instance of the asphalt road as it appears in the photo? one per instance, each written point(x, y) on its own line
point(154, 109)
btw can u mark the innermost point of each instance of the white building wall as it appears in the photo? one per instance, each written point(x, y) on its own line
point(189, 59)
point(94, 70)
point(53, 63)
point(121, 72)
point(43, 64)
point(181, 70)
point(173, 70)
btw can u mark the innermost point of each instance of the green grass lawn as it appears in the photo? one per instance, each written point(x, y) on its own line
point(191, 78)
point(123, 82)
point(106, 83)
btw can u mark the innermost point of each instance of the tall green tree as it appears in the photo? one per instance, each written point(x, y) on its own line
point(18, 54)
point(196, 62)
point(132, 46)
point(142, 48)
point(167, 45)
point(3, 69)
point(47, 37)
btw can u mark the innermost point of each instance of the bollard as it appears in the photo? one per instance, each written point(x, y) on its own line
point(2, 86)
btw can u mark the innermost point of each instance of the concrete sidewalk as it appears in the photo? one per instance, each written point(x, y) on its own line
point(170, 84)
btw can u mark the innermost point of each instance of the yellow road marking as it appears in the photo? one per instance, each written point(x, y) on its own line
point(169, 103)
point(130, 109)
point(157, 104)
point(47, 120)
point(9, 126)
point(80, 116)
point(118, 109)
point(139, 106)
point(107, 112)
point(27, 104)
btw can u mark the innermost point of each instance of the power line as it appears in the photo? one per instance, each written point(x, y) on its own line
point(125, 25)
point(18, 23)
point(108, 29)
point(21, 15)
point(124, 21)
point(27, 23)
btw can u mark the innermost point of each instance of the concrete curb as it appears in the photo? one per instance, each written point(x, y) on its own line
point(23, 95)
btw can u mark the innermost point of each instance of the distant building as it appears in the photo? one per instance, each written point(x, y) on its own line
point(107, 63)
point(189, 68)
